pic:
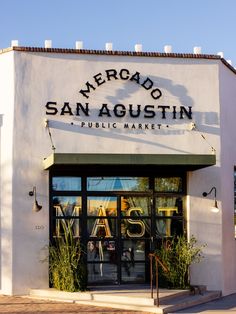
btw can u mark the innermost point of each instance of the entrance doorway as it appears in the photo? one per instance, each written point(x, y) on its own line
point(119, 238)
point(118, 220)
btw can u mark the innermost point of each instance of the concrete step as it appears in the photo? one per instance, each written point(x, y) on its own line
point(170, 301)
point(106, 296)
point(183, 302)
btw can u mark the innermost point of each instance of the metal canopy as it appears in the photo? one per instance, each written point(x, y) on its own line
point(189, 161)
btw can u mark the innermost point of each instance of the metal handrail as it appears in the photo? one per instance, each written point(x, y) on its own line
point(157, 260)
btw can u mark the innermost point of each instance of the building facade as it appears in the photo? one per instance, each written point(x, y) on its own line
point(122, 146)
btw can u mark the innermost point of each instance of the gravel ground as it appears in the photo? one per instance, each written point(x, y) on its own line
point(24, 305)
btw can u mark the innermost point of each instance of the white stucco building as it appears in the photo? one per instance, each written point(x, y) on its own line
point(133, 137)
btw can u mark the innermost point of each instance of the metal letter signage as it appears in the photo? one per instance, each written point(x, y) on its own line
point(136, 222)
point(101, 223)
point(129, 116)
point(74, 223)
point(101, 78)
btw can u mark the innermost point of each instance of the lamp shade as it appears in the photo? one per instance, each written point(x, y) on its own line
point(215, 208)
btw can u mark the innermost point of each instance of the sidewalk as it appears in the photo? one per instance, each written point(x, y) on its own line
point(223, 305)
point(22, 305)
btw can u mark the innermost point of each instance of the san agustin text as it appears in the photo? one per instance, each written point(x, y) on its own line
point(119, 111)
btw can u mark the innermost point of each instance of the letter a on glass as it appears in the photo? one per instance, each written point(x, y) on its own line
point(101, 223)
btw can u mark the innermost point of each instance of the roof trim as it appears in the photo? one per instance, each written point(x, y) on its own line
point(191, 161)
point(120, 53)
point(112, 52)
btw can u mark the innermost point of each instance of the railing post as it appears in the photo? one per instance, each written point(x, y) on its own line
point(157, 260)
point(151, 275)
point(157, 288)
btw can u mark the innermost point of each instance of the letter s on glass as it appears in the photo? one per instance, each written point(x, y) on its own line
point(136, 222)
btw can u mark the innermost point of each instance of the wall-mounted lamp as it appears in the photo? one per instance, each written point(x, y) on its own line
point(214, 208)
point(36, 206)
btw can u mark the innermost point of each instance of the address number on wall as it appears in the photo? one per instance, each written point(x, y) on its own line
point(39, 227)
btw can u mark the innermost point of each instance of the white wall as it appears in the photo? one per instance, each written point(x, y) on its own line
point(7, 114)
point(206, 227)
point(175, 79)
point(228, 158)
point(218, 269)
point(30, 229)
point(59, 77)
point(23, 233)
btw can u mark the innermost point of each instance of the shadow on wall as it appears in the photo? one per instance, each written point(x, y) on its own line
point(208, 271)
point(113, 134)
point(206, 121)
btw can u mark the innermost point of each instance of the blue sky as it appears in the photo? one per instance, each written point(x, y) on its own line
point(210, 24)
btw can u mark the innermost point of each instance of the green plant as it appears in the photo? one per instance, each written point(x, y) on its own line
point(177, 254)
point(66, 267)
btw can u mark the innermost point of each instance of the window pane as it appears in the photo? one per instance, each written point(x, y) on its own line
point(102, 273)
point(101, 227)
point(100, 251)
point(135, 228)
point(169, 206)
point(67, 206)
point(60, 226)
point(135, 250)
point(135, 206)
point(134, 272)
point(102, 206)
point(168, 227)
point(117, 184)
point(66, 184)
point(173, 184)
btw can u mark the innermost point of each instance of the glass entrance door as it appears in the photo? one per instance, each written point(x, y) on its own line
point(135, 228)
point(119, 230)
point(102, 239)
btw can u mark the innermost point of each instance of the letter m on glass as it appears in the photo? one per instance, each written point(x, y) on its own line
point(63, 224)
